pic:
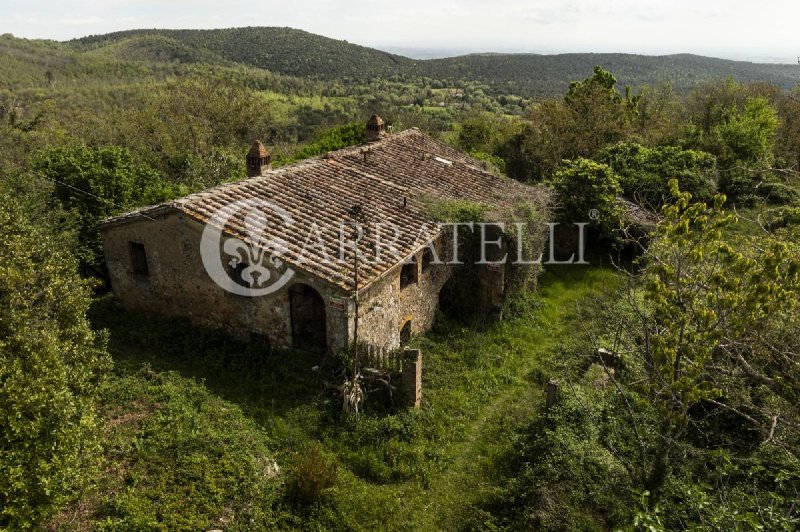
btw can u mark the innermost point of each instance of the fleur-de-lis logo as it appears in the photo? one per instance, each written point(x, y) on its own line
point(254, 262)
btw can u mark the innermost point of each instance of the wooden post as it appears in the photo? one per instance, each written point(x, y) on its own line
point(412, 376)
point(552, 394)
point(357, 213)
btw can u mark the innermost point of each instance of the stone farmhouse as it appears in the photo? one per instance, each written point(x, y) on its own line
point(325, 295)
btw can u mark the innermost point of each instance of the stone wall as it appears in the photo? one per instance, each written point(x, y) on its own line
point(178, 285)
point(386, 307)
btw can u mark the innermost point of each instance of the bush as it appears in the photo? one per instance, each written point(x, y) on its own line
point(51, 363)
point(644, 173)
point(716, 490)
point(568, 480)
point(782, 217)
point(778, 193)
point(312, 474)
point(185, 458)
point(582, 186)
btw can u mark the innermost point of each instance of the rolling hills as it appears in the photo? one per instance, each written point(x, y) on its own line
point(298, 53)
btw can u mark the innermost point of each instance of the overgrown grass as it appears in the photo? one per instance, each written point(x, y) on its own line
point(177, 457)
point(426, 468)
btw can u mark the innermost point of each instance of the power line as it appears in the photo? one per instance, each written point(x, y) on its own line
point(86, 192)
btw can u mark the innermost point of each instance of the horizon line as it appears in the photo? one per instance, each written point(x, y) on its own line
point(445, 51)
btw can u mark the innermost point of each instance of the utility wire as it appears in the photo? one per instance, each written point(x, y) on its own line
point(87, 193)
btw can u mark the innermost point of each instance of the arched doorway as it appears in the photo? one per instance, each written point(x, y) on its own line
point(308, 318)
point(405, 334)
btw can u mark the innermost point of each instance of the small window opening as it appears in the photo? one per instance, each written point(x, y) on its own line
point(408, 275)
point(427, 259)
point(138, 259)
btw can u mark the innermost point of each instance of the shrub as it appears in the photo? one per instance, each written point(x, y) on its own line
point(312, 474)
point(782, 217)
point(582, 186)
point(644, 173)
point(778, 193)
point(748, 185)
point(568, 480)
point(187, 459)
point(51, 363)
point(457, 211)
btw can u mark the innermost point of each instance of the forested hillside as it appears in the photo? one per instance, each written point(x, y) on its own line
point(281, 50)
point(549, 75)
point(299, 53)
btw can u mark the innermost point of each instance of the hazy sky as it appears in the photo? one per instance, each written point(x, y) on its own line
point(760, 30)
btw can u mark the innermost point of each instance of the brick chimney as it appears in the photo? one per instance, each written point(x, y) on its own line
point(376, 128)
point(258, 160)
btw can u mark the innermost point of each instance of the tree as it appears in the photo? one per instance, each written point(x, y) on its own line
point(644, 173)
point(51, 363)
point(95, 183)
point(714, 331)
point(485, 132)
point(189, 117)
point(747, 134)
point(592, 115)
point(582, 186)
point(330, 140)
point(787, 145)
point(739, 125)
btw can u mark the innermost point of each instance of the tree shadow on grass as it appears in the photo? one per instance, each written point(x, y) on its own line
point(267, 384)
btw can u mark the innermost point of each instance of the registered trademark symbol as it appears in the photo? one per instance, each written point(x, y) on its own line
point(594, 214)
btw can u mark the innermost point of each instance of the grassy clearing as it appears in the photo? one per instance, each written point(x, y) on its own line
point(425, 469)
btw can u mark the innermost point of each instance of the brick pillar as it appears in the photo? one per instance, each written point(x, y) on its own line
point(412, 376)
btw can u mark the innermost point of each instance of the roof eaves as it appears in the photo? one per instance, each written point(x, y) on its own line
point(149, 212)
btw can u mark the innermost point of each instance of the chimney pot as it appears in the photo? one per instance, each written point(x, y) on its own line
point(258, 159)
point(376, 128)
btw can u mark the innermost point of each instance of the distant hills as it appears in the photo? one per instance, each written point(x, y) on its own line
point(281, 50)
point(298, 53)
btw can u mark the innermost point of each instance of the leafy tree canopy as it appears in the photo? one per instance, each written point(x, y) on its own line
point(51, 362)
point(644, 173)
point(95, 183)
point(582, 186)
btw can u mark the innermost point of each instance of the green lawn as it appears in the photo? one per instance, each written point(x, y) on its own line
point(426, 469)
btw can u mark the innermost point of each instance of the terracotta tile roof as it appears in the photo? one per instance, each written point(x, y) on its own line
point(393, 179)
